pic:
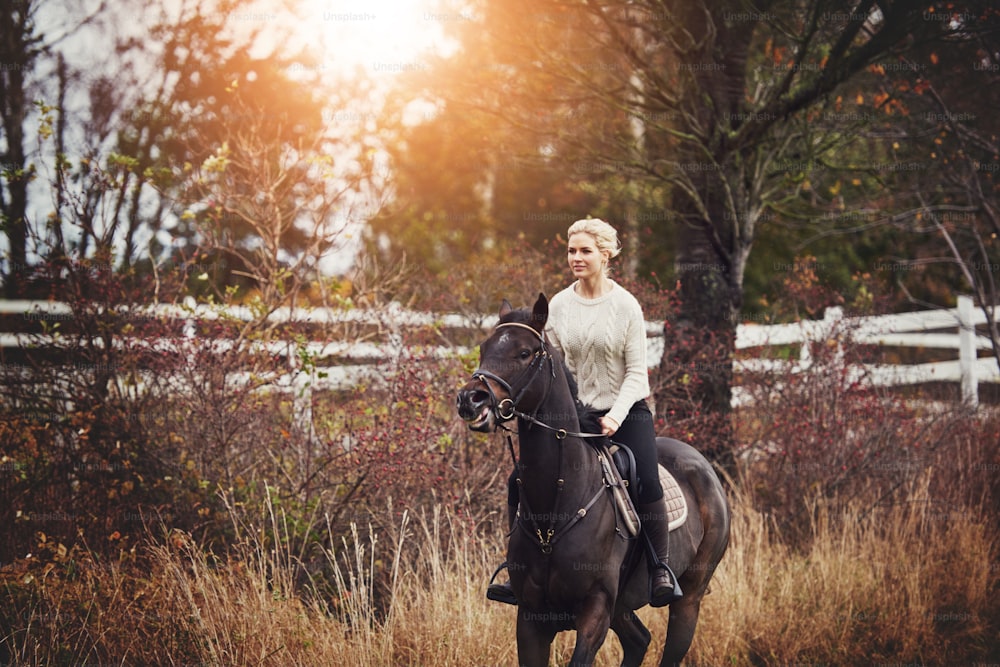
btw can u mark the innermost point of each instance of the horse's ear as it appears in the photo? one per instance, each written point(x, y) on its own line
point(505, 308)
point(540, 313)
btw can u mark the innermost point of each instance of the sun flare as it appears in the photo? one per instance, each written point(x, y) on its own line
point(373, 37)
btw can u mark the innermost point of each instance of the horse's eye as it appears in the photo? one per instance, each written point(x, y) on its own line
point(525, 354)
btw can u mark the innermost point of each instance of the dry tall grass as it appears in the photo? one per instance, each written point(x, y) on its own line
point(906, 585)
point(909, 585)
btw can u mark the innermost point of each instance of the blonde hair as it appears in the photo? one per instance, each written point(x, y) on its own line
point(605, 236)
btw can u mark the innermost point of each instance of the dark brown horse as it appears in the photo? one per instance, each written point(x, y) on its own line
point(571, 567)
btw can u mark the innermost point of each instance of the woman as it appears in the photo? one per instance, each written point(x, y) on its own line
point(599, 328)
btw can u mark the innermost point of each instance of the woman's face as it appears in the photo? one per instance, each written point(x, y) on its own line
point(585, 260)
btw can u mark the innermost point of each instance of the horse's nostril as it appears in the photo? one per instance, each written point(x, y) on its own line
point(469, 400)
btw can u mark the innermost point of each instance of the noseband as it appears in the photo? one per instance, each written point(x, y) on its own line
point(507, 409)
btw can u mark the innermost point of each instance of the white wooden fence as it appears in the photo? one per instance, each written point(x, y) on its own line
point(953, 329)
point(947, 328)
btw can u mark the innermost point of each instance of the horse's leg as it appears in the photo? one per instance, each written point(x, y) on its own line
point(633, 635)
point(534, 641)
point(680, 629)
point(593, 618)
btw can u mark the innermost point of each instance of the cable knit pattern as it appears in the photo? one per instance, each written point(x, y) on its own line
point(604, 343)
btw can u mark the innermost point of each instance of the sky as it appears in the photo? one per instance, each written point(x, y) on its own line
point(377, 38)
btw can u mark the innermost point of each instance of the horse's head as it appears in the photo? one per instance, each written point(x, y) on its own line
point(510, 361)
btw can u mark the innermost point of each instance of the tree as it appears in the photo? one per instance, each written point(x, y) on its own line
point(19, 47)
point(22, 47)
point(944, 207)
point(465, 186)
point(273, 199)
point(707, 107)
point(181, 95)
point(104, 164)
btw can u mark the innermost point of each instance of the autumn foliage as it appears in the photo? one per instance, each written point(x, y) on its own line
point(151, 462)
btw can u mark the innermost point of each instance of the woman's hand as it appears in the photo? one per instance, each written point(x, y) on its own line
point(608, 426)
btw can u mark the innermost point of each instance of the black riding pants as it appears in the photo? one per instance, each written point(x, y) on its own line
point(637, 433)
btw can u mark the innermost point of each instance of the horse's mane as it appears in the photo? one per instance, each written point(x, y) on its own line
point(588, 415)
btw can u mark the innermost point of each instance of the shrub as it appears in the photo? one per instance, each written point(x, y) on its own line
point(826, 433)
point(178, 504)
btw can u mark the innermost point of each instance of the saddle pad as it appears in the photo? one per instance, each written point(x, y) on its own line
point(673, 497)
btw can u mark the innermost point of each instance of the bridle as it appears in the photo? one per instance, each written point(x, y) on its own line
point(507, 409)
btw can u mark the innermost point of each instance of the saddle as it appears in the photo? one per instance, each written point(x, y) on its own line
point(620, 476)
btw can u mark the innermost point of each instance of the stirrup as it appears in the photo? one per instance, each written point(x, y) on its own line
point(675, 590)
point(500, 592)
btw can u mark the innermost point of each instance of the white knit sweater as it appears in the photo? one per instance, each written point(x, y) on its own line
point(604, 343)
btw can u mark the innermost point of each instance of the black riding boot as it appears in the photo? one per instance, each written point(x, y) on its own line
point(503, 592)
point(663, 586)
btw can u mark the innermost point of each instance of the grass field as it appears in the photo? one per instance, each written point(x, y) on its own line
point(904, 586)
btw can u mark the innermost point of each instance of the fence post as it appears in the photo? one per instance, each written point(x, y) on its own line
point(832, 317)
point(303, 378)
point(967, 352)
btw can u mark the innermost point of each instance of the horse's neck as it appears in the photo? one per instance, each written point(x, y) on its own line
point(545, 459)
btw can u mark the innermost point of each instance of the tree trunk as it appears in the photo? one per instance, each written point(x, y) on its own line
point(711, 207)
point(702, 340)
point(16, 54)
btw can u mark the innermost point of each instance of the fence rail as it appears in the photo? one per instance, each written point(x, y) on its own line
point(952, 329)
point(921, 329)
